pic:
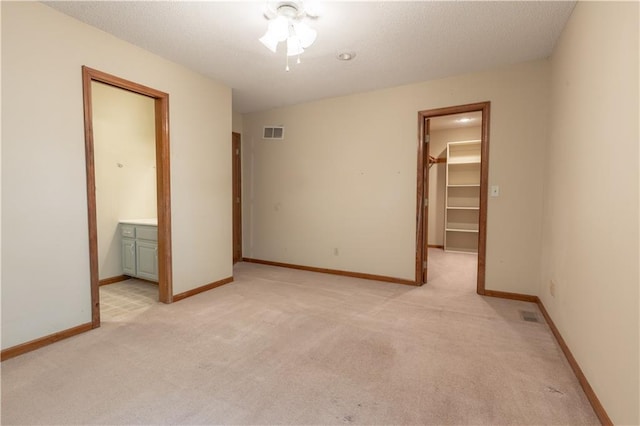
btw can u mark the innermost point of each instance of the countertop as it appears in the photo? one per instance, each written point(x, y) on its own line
point(152, 222)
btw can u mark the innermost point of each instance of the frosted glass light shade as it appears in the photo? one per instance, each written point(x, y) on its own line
point(293, 46)
point(277, 31)
point(269, 41)
point(279, 28)
point(306, 34)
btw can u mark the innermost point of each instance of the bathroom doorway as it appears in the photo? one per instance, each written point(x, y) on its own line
point(127, 189)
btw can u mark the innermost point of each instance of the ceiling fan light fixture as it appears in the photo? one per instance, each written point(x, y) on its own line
point(285, 24)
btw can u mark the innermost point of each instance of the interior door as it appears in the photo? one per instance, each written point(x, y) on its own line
point(425, 207)
point(237, 197)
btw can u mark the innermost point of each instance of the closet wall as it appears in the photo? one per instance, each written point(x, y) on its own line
point(125, 166)
point(437, 177)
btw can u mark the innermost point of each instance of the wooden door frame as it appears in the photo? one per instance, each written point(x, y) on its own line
point(236, 165)
point(425, 130)
point(163, 189)
point(421, 225)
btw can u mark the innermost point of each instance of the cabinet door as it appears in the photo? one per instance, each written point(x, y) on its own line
point(147, 260)
point(129, 257)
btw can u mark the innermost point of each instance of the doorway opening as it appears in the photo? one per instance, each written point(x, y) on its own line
point(236, 172)
point(158, 256)
point(453, 164)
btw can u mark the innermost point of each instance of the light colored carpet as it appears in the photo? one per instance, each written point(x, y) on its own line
point(281, 346)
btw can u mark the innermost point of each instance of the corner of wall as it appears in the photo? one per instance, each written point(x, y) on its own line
point(236, 122)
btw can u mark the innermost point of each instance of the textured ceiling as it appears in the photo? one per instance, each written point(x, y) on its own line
point(396, 42)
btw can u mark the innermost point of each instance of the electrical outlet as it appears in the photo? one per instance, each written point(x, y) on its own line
point(335, 251)
point(552, 288)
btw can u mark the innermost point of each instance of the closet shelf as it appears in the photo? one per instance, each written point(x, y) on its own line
point(462, 197)
point(462, 208)
point(461, 230)
point(473, 160)
point(462, 250)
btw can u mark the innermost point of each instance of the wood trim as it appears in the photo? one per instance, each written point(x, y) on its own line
point(236, 167)
point(113, 280)
point(91, 197)
point(163, 187)
point(115, 81)
point(43, 341)
point(582, 379)
point(420, 229)
point(425, 206)
point(331, 271)
point(435, 246)
point(511, 296)
point(485, 108)
point(484, 193)
point(189, 293)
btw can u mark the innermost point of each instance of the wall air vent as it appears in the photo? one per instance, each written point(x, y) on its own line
point(273, 132)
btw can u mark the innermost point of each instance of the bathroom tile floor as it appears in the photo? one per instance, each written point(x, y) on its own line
point(122, 299)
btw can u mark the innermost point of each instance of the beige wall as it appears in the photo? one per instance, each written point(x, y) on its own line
point(438, 176)
point(125, 167)
point(237, 122)
point(345, 177)
point(45, 275)
point(590, 244)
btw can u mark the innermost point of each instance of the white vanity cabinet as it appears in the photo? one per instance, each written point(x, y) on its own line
point(139, 249)
point(129, 257)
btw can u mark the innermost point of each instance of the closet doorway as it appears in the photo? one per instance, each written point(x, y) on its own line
point(452, 187)
point(151, 254)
